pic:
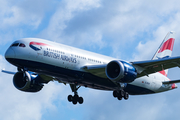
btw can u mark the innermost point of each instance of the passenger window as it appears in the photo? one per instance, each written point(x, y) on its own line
point(22, 45)
point(15, 45)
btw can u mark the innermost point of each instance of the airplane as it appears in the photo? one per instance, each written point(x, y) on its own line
point(40, 61)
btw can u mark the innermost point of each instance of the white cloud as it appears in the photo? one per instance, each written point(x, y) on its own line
point(146, 50)
point(88, 23)
point(18, 17)
point(66, 12)
point(100, 105)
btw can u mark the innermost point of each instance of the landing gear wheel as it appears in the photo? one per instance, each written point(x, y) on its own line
point(119, 98)
point(115, 93)
point(126, 96)
point(76, 97)
point(70, 98)
point(74, 101)
point(121, 93)
point(80, 100)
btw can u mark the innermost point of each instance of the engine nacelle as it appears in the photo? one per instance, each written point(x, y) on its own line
point(121, 71)
point(27, 82)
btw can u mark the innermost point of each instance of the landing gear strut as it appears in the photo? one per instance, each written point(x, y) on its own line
point(75, 99)
point(119, 94)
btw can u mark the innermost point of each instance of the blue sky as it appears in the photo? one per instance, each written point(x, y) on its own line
point(124, 29)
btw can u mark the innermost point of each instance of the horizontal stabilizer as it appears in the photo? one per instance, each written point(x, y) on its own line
point(171, 82)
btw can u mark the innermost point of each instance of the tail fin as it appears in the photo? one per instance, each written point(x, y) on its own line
point(165, 49)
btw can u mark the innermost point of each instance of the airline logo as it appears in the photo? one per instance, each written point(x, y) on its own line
point(37, 46)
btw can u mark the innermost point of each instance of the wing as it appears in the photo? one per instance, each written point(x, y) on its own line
point(143, 67)
point(152, 66)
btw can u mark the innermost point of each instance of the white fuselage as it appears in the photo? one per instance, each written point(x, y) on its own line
point(73, 59)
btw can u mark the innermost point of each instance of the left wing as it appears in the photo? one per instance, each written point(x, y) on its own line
point(45, 78)
point(8, 72)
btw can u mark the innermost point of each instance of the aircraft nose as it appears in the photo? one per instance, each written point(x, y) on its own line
point(9, 53)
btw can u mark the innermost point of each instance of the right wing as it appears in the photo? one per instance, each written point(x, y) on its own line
point(143, 67)
point(152, 66)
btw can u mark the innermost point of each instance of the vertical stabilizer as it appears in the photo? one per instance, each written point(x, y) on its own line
point(165, 49)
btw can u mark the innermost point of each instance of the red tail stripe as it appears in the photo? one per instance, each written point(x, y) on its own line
point(168, 45)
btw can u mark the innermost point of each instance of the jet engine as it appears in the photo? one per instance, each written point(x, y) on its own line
point(27, 81)
point(120, 71)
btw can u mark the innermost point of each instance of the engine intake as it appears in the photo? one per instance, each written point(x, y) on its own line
point(27, 82)
point(121, 71)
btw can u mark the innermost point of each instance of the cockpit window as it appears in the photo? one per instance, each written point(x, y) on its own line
point(18, 44)
point(15, 44)
point(22, 45)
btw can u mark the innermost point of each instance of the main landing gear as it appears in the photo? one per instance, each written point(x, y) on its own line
point(75, 99)
point(119, 94)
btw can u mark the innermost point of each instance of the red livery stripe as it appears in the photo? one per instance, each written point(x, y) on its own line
point(168, 45)
point(173, 86)
point(163, 72)
point(36, 43)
